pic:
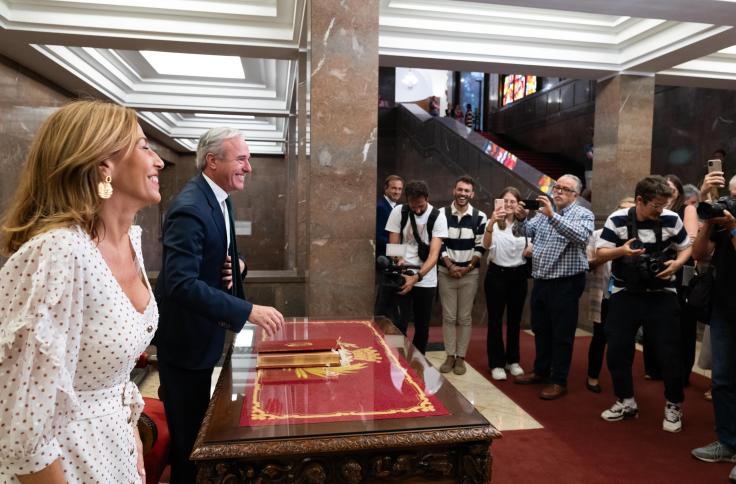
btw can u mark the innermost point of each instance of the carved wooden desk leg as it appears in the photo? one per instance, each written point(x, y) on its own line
point(477, 464)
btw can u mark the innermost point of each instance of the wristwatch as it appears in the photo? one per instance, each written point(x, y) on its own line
point(419, 276)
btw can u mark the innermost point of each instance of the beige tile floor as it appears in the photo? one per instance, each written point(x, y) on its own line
point(491, 402)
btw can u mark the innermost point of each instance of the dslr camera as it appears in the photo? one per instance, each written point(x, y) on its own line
point(707, 210)
point(392, 275)
point(641, 271)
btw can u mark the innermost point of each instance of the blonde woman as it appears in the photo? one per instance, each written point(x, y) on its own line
point(76, 308)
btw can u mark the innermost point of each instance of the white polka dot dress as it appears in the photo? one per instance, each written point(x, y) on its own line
point(69, 338)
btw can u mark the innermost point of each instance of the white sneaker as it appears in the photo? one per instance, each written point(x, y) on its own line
point(498, 374)
point(620, 411)
point(672, 418)
point(515, 369)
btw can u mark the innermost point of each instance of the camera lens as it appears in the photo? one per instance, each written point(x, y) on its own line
point(636, 245)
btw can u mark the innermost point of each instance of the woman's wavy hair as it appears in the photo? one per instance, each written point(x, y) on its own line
point(58, 185)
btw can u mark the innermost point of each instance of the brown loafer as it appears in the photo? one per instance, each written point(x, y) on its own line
point(529, 379)
point(553, 392)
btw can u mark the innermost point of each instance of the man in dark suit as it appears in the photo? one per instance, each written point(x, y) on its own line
point(199, 292)
point(393, 187)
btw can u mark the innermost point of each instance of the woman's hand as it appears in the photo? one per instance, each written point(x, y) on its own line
point(140, 465)
point(528, 250)
point(711, 183)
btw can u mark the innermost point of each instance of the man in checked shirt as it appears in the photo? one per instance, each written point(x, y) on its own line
point(559, 235)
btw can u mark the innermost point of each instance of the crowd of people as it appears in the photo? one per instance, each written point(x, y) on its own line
point(76, 307)
point(638, 272)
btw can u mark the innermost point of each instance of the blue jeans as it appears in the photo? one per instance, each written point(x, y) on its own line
point(723, 347)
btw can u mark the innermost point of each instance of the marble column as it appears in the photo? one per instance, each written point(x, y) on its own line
point(342, 176)
point(624, 109)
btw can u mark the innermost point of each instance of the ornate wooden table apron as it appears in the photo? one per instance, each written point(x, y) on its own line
point(255, 432)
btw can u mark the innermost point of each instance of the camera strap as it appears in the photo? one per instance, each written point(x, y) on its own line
point(407, 214)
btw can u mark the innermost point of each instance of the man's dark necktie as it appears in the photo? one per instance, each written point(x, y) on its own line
point(233, 249)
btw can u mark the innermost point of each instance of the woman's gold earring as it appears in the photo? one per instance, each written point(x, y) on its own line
point(104, 188)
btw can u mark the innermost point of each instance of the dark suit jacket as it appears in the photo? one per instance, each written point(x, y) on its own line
point(383, 210)
point(195, 308)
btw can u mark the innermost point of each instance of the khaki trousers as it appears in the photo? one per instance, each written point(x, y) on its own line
point(457, 296)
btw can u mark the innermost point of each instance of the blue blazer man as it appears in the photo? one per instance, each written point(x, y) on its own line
point(195, 304)
point(392, 188)
point(383, 209)
point(195, 307)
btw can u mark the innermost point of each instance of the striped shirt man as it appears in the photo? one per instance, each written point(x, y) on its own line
point(559, 242)
point(615, 234)
point(463, 239)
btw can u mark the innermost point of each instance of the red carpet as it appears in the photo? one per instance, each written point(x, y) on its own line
point(577, 446)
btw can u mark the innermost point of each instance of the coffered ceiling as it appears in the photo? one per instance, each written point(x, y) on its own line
point(187, 65)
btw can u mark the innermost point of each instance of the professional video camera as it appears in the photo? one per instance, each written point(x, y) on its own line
point(641, 271)
point(715, 209)
point(392, 274)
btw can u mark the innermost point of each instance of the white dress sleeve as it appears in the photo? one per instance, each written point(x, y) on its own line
point(40, 326)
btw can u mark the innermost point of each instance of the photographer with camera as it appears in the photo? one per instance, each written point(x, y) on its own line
point(648, 244)
point(559, 235)
point(718, 236)
point(421, 227)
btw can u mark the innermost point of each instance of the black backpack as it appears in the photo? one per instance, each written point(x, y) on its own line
point(406, 214)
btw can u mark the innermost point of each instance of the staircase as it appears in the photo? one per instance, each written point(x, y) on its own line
point(551, 164)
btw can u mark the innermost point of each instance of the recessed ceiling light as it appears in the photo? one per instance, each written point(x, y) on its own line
point(195, 65)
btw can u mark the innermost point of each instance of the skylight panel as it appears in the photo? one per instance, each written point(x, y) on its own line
point(195, 65)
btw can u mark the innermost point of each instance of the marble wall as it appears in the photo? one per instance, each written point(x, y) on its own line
point(342, 176)
point(25, 102)
point(689, 125)
point(624, 115)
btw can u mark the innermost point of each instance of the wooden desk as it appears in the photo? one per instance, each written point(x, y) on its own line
point(448, 448)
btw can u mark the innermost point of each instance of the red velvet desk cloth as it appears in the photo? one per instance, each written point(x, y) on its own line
point(377, 384)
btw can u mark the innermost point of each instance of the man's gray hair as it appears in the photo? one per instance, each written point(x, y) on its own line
point(578, 183)
point(211, 142)
point(732, 182)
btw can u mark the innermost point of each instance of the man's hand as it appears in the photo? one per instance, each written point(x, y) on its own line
point(672, 266)
point(268, 318)
point(545, 206)
point(626, 249)
point(409, 282)
point(521, 213)
point(728, 222)
point(227, 273)
point(456, 272)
